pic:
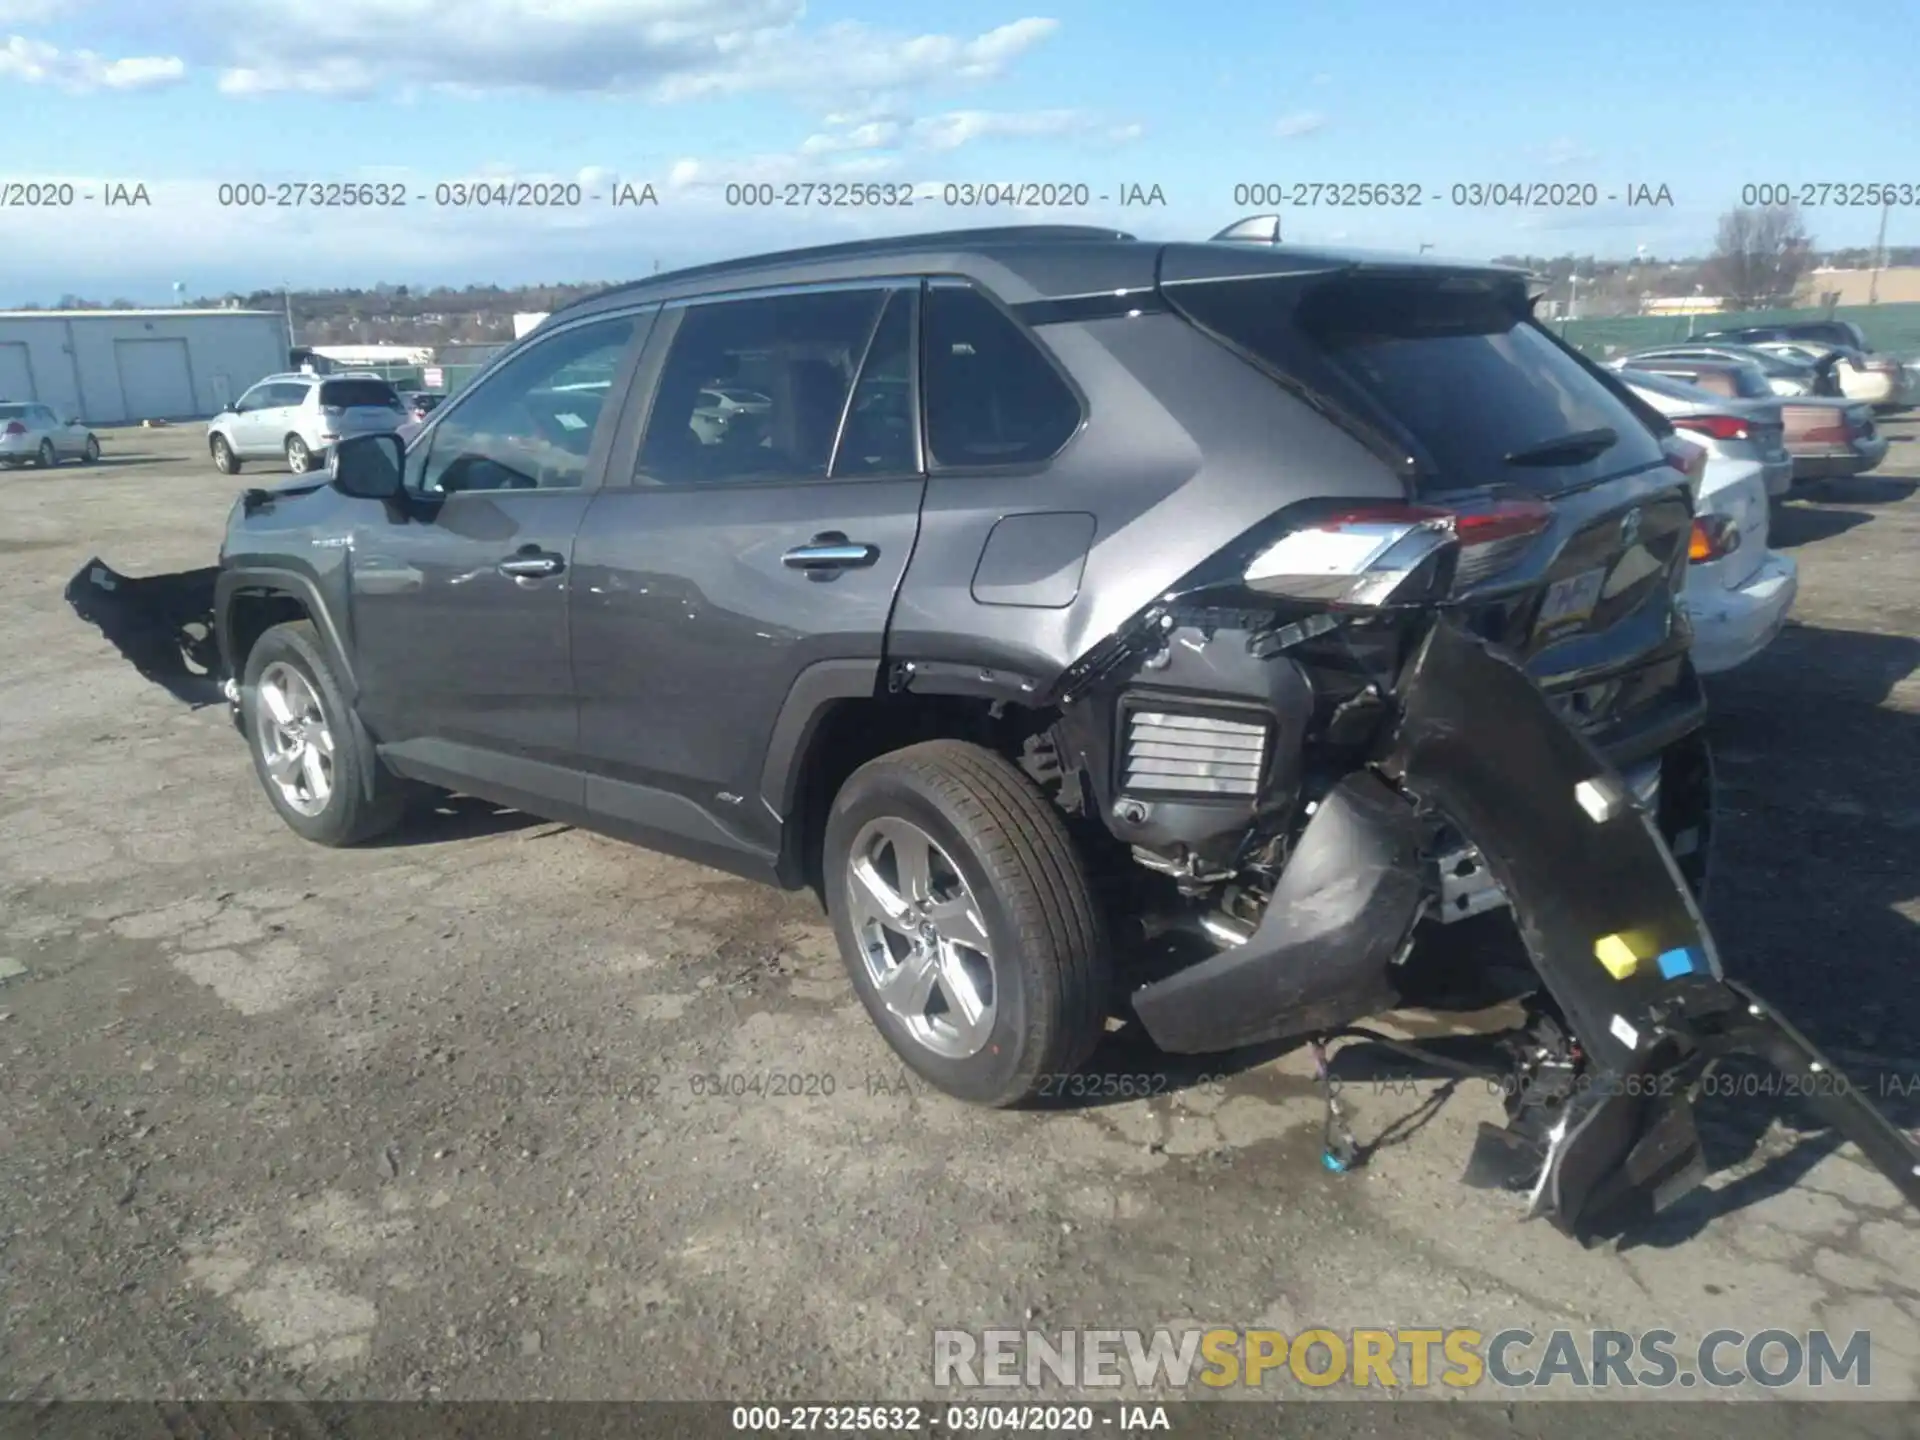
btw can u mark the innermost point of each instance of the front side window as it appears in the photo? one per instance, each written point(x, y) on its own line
point(531, 424)
point(992, 397)
point(753, 391)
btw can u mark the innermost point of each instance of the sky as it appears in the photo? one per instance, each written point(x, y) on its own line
point(1052, 110)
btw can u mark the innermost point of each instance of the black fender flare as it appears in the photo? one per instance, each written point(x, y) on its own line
point(241, 580)
point(245, 579)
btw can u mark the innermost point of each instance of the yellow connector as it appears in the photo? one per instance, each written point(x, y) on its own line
point(1617, 954)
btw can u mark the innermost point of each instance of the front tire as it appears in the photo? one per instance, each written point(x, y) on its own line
point(966, 921)
point(224, 460)
point(305, 741)
point(299, 457)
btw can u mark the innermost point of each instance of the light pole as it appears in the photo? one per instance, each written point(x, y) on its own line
point(1879, 256)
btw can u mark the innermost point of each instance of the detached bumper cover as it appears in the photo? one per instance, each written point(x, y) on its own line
point(1342, 910)
point(162, 624)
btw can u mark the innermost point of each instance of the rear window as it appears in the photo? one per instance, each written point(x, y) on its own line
point(1667, 385)
point(12, 412)
point(1454, 363)
point(350, 394)
point(1750, 382)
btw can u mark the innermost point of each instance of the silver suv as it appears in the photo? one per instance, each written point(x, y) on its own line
point(298, 418)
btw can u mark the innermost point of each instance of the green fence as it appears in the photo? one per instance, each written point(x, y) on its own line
point(1890, 329)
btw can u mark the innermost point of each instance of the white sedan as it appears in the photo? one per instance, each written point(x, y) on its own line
point(31, 434)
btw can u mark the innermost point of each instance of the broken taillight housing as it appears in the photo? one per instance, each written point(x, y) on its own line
point(1714, 537)
point(1372, 555)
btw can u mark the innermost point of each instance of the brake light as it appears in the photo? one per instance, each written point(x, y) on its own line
point(1361, 555)
point(1714, 537)
point(1720, 427)
point(14, 427)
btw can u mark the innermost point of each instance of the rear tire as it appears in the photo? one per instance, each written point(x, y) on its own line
point(1000, 854)
point(224, 460)
point(291, 703)
point(45, 457)
point(90, 453)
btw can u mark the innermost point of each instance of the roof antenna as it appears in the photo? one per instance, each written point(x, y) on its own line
point(1254, 230)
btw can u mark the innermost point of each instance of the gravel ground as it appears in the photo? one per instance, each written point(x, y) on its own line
point(481, 1112)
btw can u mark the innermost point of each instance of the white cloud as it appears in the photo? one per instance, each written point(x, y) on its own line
point(962, 127)
point(30, 12)
point(1303, 122)
point(37, 63)
point(658, 49)
point(1566, 151)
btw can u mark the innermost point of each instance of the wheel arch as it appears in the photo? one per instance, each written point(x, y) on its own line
point(839, 714)
point(248, 602)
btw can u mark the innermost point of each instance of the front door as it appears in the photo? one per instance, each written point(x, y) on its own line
point(748, 543)
point(460, 593)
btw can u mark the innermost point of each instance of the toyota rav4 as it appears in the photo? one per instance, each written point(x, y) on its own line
point(1104, 628)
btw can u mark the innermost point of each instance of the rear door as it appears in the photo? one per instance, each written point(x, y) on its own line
point(721, 561)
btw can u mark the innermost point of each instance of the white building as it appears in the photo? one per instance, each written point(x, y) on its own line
point(376, 354)
point(117, 367)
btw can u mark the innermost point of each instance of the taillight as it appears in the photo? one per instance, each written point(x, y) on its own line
point(1362, 555)
point(14, 427)
point(1714, 537)
point(1720, 427)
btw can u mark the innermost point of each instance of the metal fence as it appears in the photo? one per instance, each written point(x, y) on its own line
point(1890, 329)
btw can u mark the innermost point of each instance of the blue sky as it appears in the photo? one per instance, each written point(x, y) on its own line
point(692, 95)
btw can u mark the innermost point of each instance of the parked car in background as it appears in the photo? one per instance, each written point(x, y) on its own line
point(1750, 434)
point(1784, 376)
point(33, 434)
point(298, 418)
point(728, 411)
point(1828, 437)
point(418, 404)
point(1738, 592)
point(1884, 383)
point(1837, 334)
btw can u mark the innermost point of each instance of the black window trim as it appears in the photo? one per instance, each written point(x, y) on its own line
point(414, 462)
point(931, 283)
point(623, 462)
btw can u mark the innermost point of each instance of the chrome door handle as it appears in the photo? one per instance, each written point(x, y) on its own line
point(841, 555)
point(531, 567)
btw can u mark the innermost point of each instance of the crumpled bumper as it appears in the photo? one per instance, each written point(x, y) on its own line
point(1604, 910)
point(162, 624)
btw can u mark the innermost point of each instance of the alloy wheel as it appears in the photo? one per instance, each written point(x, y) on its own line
point(923, 937)
point(297, 457)
point(296, 743)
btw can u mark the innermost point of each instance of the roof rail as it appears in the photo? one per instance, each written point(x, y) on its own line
point(878, 245)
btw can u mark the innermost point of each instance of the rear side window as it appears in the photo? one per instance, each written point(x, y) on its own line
point(992, 397)
point(353, 394)
point(1453, 362)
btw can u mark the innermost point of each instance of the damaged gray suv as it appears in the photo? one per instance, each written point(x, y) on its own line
point(1105, 628)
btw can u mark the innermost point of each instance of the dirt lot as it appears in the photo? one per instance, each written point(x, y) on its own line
point(440, 1117)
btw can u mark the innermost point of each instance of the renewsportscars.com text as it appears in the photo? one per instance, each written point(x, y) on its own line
point(1403, 1358)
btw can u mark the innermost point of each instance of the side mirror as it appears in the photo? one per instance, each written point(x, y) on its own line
point(368, 467)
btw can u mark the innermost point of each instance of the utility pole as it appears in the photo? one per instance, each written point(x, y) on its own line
point(1879, 256)
point(286, 294)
